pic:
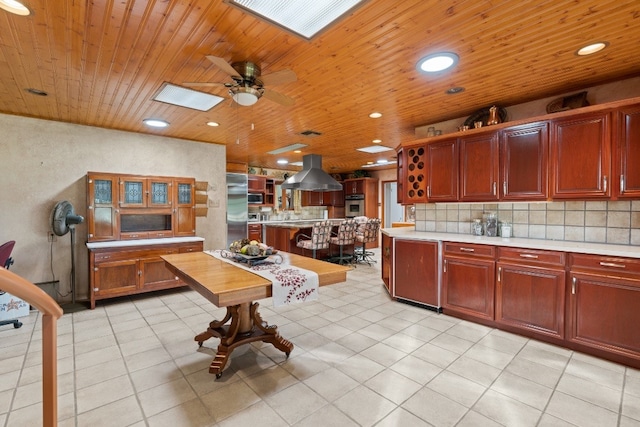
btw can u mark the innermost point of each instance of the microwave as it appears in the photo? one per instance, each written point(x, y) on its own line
point(255, 198)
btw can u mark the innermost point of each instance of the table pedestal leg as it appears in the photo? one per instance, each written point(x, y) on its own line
point(246, 326)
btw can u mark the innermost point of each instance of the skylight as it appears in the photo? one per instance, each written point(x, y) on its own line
point(188, 98)
point(303, 17)
point(374, 149)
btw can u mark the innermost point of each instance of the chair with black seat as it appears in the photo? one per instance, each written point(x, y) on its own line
point(319, 238)
point(346, 236)
point(6, 261)
point(368, 234)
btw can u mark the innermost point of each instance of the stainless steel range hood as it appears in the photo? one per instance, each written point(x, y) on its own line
point(312, 177)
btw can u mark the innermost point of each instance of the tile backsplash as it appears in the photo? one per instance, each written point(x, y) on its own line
point(616, 222)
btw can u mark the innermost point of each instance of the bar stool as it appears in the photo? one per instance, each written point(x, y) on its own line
point(345, 236)
point(319, 239)
point(368, 234)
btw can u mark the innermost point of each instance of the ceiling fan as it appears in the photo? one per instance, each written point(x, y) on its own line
point(248, 83)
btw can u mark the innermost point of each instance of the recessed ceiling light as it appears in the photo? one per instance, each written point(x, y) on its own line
point(382, 161)
point(592, 48)
point(437, 62)
point(375, 115)
point(14, 6)
point(282, 161)
point(156, 123)
point(454, 90)
point(377, 141)
point(297, 151)
point(213, 124)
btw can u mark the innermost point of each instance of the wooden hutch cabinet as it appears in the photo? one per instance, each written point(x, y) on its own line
point(137, 209)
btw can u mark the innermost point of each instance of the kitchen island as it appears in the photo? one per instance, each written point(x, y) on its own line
point(282, 235)
point(580, 295)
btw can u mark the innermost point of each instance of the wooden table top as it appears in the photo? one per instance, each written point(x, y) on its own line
point(224, 284)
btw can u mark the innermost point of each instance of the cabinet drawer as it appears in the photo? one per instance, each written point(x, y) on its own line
point(470, 249)
point(160, 234)
point(612, 265)
point(196, 247)
point(531, 256)
point(134, 235)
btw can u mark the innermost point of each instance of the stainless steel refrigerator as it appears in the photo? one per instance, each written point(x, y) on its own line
point(237, 208)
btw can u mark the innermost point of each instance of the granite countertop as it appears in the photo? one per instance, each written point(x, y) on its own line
point(628, 251)
point(297, 223)
point(142, 242)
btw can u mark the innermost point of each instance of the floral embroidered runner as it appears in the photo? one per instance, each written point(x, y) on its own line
point(289, 284)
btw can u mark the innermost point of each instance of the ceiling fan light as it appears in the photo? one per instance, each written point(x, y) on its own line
point(245, 96)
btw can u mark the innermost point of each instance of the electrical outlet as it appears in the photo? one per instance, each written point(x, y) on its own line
point(51, 236)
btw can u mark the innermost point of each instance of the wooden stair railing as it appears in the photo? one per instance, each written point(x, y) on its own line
point(51, 312)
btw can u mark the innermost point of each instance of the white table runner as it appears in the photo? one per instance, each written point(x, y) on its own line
point(289, 284)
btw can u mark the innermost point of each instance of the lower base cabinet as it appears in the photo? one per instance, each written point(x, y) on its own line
point(120, 271)
point(604, 304)
point(416, 271)
point(468, 280)
point(530, 291)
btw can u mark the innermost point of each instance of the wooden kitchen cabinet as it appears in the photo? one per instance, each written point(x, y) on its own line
point(387, 263)
point(313, 198)
point(416, 271)
point(256, 183)
point(414, 179)
point(530, 291)
point(604, 296)
point(145, 192)
point(524, 162)
point(479, 167)
point(353, 186)
point(255, 232)
point(627, 160)
point(580, 156)
point(184, 211)
point(119, 271)
point(442, 171)
point(468, 280)
point(102, 207)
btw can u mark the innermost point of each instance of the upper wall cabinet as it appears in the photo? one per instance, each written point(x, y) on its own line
point(442, 171)
point(414, 170)
point(580, 157)
point(140, 192)
point(479, 167)
point(627, 161)
point(523, 162)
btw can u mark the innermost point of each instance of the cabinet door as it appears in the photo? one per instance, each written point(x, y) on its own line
point(354, 186)
point(102, 209)
point(184, 216)
point(628, 153)
point(256, 183)
point(415, 181)
point(416, 271)
point(531, 298)
point(160, 193)
point(580, 157)
point(337, 198)
point(524, 157)
point(442, 170)
point(154, 273)
point(401, 177)
point(387, 263)
point(112, 278)
point(255, 232)
point(312, 198)
point(479, 167)
point(603, 313)
point(468, 287)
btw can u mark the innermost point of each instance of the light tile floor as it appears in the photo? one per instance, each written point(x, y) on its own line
point(360, 359)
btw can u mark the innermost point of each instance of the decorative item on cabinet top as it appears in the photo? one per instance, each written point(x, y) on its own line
point(568, 102)
point(483, 114)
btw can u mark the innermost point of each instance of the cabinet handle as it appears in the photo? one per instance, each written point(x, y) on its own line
point(604, 183)
point(529, 256)
point(445, 266)
point(428, 191)
point(139, 272)
point(504, 187)
point(495, 187)
point(621, 184)
point(499, 273)
point(467, 250)
point(96, 289)
point(386, 251)
point(573, 286)
point(612, 264)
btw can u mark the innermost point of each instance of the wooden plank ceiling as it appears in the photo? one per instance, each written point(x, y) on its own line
point(101, 61)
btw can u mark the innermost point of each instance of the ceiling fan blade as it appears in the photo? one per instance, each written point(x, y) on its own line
point(279, 77)
point(223, 65)
point(278, 98)
point(202, 84)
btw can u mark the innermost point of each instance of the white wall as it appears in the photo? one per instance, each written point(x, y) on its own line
point(43, 162)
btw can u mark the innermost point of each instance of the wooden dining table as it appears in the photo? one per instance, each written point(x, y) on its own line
point(227, 285)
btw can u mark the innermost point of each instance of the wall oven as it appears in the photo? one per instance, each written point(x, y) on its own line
point(354, 205)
